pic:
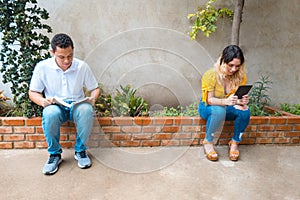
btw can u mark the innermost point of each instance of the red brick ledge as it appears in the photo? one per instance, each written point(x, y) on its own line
point(24, 133)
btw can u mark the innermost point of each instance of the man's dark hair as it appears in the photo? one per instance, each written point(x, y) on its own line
point(61, 40)
point(231, 52)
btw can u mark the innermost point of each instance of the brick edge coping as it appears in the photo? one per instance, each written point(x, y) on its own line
point(25, 133)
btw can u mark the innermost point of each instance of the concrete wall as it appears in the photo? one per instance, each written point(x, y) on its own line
point(145, 43)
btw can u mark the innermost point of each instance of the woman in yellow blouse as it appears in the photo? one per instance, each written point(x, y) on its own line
point(219, 103)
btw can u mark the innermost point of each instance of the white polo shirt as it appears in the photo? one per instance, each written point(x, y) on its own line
point(67, 85)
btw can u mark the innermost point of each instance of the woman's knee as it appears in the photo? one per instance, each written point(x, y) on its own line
point(245, 114)
point(218, 110)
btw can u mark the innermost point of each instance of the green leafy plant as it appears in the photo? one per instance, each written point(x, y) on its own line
point(190, 110)
point(291, 108)
point(205, 19)
point(258, 96)
point(169, 111)
point(23, 45)
point(125, 103)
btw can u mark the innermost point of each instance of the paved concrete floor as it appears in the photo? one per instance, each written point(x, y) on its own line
point(263, 172)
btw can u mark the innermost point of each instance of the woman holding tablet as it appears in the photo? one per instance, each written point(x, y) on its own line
point(219, 102)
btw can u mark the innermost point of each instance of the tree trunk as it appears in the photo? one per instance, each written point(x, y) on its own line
point(237, 19)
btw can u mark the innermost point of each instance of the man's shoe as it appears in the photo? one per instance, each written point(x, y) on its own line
point(83, 159)
point(52, 164)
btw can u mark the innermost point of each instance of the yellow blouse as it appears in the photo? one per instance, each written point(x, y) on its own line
point(210, 83)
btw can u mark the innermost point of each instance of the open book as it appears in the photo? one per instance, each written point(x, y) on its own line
point(61, 102)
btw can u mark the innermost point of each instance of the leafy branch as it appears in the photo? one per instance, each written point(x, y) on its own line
point(205, 19)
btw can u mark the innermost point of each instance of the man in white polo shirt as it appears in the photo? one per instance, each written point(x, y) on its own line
point(64, 77)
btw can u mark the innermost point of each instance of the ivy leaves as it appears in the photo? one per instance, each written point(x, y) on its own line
point(23, 46)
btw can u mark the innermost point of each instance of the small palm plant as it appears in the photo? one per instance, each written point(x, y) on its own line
point(258, 97)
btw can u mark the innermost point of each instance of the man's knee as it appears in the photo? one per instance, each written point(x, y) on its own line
point(51, 111)
point(84, 110)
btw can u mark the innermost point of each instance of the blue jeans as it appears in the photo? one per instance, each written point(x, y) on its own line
point(81, 114)
point(216, 115)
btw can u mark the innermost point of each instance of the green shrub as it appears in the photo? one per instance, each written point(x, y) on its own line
point(103, 104)
point(125, 103)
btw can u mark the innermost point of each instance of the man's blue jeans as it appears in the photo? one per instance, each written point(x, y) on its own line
point(81, 114)
point(216, 115)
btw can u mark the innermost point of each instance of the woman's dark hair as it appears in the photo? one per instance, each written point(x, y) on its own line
point(61, 40)
point(230, 52)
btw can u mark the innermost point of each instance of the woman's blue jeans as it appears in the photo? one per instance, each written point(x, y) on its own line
point(216, 115)
point(81, 114)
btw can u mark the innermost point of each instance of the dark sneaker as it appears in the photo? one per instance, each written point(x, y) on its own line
point(83, 159)
point(52, 164)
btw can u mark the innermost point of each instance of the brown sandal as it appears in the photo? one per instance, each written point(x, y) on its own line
point(233, 154)
point(211, 155)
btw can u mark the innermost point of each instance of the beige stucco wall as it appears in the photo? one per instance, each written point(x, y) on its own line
point(270, 35)
point(145, 43)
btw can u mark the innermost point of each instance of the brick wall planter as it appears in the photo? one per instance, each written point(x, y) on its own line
point(24, 133)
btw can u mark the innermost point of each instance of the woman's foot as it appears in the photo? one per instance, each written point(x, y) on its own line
point(209, 151)
point(234, 152)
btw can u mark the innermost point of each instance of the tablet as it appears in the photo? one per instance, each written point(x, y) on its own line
point(242, 90)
